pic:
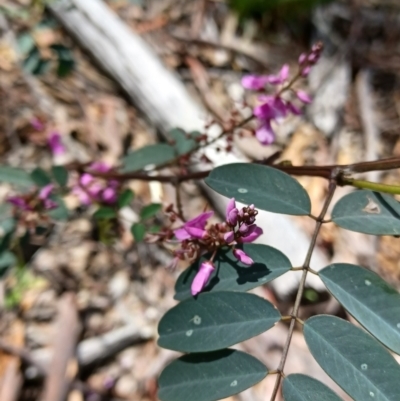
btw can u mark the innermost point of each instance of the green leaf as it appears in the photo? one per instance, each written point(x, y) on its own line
point(368, 212)
point(15, 176)
point(138, 231)
point(105, 212)
point(266, 187)
point(368, 298)
point(61, 212)
point(125, 198)
point(183, 142)
point(7, 221)
point(7, 260)
point(40, 177)
point(353, 359)
point(25, 43)
point(232, 275)
point(66, 61)
point(214, 321)
point(148, 156)
point(150, 211)
point(60, 175)
point(304, 388)
point(210, 376)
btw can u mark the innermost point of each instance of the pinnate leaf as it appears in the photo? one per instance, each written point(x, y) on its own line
point(151, 155)
point(215, 320)
point(368, 298)
point(210, 376)
point(40, 177)
point(353, 359)
point(265, 187)
point(125, 198)
point(299, 387)
point(183, 142)
point(60, 175)
point(138, 231)
point(150, 211)
point(232, 275)
point(15, 176)
point(368, 212)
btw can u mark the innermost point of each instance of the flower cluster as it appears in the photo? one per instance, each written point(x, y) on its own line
point(35, 202)
point(196, 239)
point(90, 189)
point(275, 107)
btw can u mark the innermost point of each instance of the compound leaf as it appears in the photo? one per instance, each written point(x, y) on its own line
point(232, 275)
point(353, 359)
point(368, 298)
point(368, 212)
point(210, 376)
point(148, 156)
point(15, 176)
point(215, 320)
point(265, 187)
point(304, 388)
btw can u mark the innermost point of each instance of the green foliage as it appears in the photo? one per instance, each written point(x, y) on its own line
point(183, 142)
point(209, 322)
point(265, 187)
point(223, 314)
point(257, 8)
point(232, 275)
point(353, 359)
point(61, 212)
point(105, 213)
point(125, 198)
point(210, 376)
point(150, 211)
point(138, 231)
point(368, 298)
point(16, 176)
point(60, 175)
point(40, 177)
point(368, 212)
point(148, 156)
point(304, 388)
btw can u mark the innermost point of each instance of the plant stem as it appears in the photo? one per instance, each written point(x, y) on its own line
point(306, 266)
point(389, 189)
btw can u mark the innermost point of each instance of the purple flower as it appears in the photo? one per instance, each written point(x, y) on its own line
point(254, 82)
point(91, 189)
point(55, 143)
point(37, 124)
point(282, 76)
point(19, 202)
point(243, 257)
point(202, 277)
point(194, 228)
point(44, 195)
point(265, 134)
point(229, 236)
point(303, 96)
point(232, 212)
point(251, 234)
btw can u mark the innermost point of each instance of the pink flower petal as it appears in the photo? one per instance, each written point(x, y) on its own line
point(265, 134)
point(252, 234)
point(243, 257)
point(202, 277)
point(45, 192)
point(229, 237)
point(303, 96)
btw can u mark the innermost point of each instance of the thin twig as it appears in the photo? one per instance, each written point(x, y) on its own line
point(296, 307)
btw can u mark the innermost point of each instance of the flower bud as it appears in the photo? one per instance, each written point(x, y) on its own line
point(202, 277)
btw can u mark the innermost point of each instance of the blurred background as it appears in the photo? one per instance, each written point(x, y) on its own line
point(55, 66)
